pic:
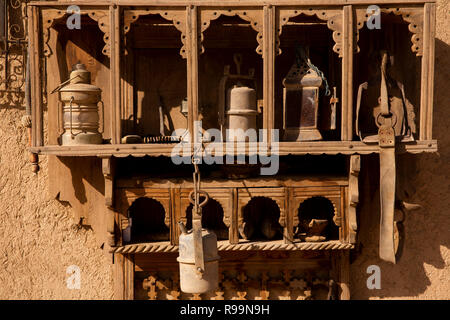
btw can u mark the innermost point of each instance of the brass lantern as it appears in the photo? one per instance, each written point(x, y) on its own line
point(301, 100)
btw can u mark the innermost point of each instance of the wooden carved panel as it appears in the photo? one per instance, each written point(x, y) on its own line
point(49, 16)
point(276, 194)
point(332, 16)
point(299, 195)
point(353, 196)
point(160, 195)
point(254, 16)
point(269, 276)
point(412, 15)
point(177, 16)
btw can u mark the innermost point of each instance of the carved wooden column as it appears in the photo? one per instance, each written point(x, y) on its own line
point(347, 74)
point(427, 80)
point(35, 71)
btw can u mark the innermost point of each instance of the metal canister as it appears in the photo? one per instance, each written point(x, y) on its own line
point(191, 280)
point(80, 109)
point(241, 112)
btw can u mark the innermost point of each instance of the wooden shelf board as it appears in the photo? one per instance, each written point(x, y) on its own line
point(285, 148)
point(243, 245)
point(236, 3)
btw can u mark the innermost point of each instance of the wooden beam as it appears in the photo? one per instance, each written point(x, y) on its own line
point(347, 75)
point(236, 3)
point(35, 71)
point(427, 78)
point(114, 67)
point(192, 67)
point(269, 70)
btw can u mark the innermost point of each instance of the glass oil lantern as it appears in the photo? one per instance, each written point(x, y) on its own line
point(301, 99)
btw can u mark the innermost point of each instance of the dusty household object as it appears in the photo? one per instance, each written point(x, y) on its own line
point(301, 99)
point(237, 103)
point(80, 109)
point(191, 279)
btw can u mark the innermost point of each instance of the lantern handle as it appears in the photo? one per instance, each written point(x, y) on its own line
point(63, 84)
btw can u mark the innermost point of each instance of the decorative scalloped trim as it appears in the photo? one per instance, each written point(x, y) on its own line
point(336, 212)
point(412, 15)
point(100, 16)
point(332, 16)
point(177, 16)
point(253, 16)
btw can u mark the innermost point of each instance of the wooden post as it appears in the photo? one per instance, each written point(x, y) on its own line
point(192, 67)
point(114, 68)
point(35, 71)
point(269, 70)
point(347, 75)
point(427, 79)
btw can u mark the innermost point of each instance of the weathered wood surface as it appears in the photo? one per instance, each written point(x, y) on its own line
point(229, 2)
point(285, 148)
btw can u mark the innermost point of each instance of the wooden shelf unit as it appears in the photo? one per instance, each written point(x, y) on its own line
point(191, 18)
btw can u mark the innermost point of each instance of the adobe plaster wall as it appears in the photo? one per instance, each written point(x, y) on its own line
point(38, 241)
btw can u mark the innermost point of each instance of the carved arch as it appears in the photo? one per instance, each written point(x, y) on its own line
point(243, 202)
point(336, 212)
point(412, 15)
point(333, 17)
point(255, 17)
point(49, 16)
point(164, 204)
point(177, 16)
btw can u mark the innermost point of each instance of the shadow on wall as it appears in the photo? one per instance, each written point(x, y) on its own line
point(426, 235)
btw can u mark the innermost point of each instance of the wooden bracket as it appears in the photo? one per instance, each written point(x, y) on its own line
point(353, 196)
point(177, 16)
point(332, 16)
point(414, 16)
point(254, 16)
point(101, 16)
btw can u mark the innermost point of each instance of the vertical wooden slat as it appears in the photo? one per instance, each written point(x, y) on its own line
point(347, 75)
point(269, 69)
point(289, 229)
point(233, 231)
point(427, 79)
point(35, 71)
point(344, 275)
point(115, 74)
point(192, 67)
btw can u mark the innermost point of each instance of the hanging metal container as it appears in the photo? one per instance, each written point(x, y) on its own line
point(80, 109)
point(193, 280)
point(301, 100)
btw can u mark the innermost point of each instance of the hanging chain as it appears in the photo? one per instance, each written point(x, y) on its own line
point(194, 198)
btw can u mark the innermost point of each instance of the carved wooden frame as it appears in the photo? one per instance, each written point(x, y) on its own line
point(333, 194)
point(253, 15)
point(333, 17)
point(176, 15)
point(161, 195)
point(221, 195)
point(277, 194)
point(49, 16)
point(413, 15)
